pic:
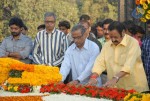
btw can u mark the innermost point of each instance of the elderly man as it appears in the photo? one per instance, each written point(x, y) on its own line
point(79, 57)
point(17, 46)
point(121, 57)
point(50, 43)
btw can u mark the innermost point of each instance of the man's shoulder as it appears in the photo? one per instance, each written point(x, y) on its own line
point(8, 38)
point(58, 31)
point(27, 37)
point(60, 34)
point(92, 45)
point(70, 49)
point(146, 40)
point(91, 42)
point(131, 40)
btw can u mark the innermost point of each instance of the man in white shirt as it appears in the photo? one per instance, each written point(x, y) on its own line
point(79, 57)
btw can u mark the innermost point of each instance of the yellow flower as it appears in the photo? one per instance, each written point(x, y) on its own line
point(145, 6)
point(147, 16)
point(15, 88)
point(140, 10)
point(148, 11)
point(9, 87)
point(143, 19)
point(146, 97)
point(142, 1)
point(148, 1)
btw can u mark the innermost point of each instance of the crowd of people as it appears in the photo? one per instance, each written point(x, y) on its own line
point(108, 53)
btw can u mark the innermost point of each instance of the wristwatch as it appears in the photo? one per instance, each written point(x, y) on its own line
point(116, 77)
point(78, 81)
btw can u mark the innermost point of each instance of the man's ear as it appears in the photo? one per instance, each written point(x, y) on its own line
point(123, 32)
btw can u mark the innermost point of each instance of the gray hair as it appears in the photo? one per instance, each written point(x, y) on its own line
point(79, 27)
point(47, 14)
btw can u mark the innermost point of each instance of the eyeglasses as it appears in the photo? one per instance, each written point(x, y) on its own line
point(52, 22)
point(77, 38)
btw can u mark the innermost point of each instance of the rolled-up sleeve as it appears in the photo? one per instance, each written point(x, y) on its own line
point(133, 53)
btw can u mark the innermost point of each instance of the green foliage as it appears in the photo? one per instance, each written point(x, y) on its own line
point(32, 11)
point(15, 73)
point(99, 9)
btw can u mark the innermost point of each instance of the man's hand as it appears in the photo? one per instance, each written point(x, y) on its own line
point(15, 55)
point(60, 82)
point(75, 82)
point(115, 79)
point(111, 83)
point(92, 82)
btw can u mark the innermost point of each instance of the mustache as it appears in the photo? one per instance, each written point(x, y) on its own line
point(14, 33)
point(115, 41)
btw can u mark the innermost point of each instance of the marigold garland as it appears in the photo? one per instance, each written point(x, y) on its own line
point(137, 97)
point(41, 76)
point(32, 74)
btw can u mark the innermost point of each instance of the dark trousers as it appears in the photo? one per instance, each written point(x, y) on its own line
point(68, 78)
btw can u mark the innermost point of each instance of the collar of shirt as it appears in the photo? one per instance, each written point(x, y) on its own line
point(19, 38)
point(123, 42)
point(54, 30)
point(102, 39)
point(85, 45)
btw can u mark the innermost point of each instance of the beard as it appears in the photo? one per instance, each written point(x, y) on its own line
point(14, 33)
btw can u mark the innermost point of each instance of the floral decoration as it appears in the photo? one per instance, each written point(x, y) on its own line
point(20, 88)
point(91, 91)
point(137, 97)
point(16, 72)
point(143, 8)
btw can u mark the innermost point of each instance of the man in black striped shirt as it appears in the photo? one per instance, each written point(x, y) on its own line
point(50, 44)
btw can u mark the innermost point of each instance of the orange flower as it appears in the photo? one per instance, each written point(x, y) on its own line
point(137, 2)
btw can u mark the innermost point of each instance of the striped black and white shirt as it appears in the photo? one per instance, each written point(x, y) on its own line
point(49, 48)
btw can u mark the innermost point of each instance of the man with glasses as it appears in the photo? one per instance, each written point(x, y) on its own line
point(86, 25)
point(79, 57)
point(50, 43)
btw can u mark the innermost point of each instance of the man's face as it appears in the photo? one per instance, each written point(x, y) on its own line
point(15, 30)
point(49, 23)
point(105, 28)
point(148, 27)
point(64, 29)
point(87, 27)
point(115, 37)
point(100, 32)
point(78, 38)
point(138, 36)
